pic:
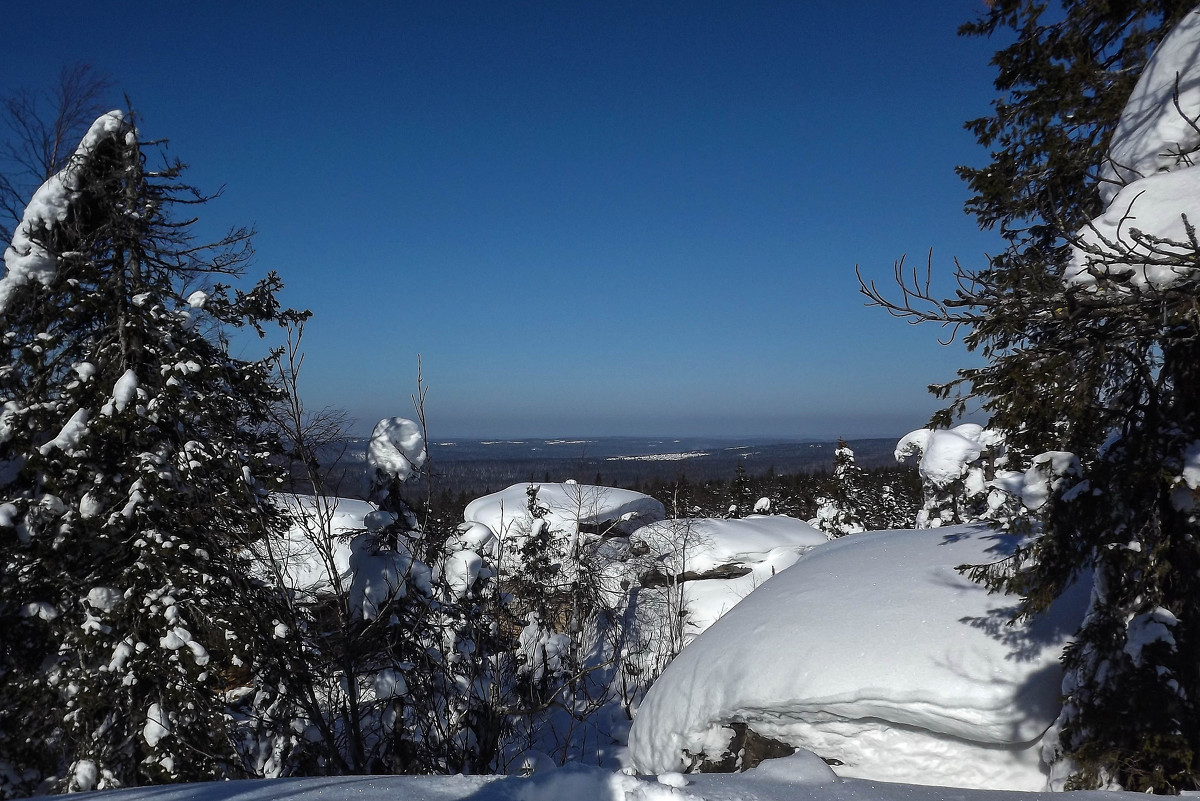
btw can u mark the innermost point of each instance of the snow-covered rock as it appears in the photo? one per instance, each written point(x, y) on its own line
point(317, 526)
point(569, 507)
point(698, 545)
point(874, 651)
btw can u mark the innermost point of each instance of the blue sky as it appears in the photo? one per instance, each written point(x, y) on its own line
point(587, 218)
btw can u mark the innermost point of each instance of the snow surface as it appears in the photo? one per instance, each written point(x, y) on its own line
point(396, 449)
point(873, 650)
point(1149, 183)
point(789, 779)
point(569, 506)
point(1152, 136)
point(25, 259)
point(946, 453)
point(299, 554)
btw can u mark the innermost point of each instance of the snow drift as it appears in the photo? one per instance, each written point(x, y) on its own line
point(569, 506)
point(875, 652)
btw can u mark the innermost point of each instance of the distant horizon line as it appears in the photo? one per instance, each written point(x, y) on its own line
point(578, 439)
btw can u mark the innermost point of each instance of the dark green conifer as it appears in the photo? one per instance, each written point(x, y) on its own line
point(134, 478)
point(1110, 374)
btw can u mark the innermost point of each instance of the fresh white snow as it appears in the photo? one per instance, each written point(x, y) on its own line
point(396, 449)
point(1149, 183)
point(1152, 136)
point(874, 651)
point(946, 453)
point(25, 259)
point(568, 505)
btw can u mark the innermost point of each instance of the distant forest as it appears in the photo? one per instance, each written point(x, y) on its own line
point(791, 475)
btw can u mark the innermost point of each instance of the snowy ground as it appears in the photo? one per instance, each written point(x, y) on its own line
point(787, 779)
point(568, 507)
point(875, 651)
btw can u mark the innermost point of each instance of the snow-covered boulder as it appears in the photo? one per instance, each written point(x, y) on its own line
point(712, 564)
point(698, 545)
point(874, 651)
point(569, 506)
point(299, 553)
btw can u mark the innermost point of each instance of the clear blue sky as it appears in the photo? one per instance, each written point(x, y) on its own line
point(586, 217)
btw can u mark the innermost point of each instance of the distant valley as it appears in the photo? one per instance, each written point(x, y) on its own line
point(479, 466)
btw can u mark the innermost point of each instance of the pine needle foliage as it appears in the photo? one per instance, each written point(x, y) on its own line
point(134, 477)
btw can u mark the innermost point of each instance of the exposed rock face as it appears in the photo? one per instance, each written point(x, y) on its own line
point(746, 750)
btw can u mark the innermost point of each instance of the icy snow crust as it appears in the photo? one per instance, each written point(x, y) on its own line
point(873, 650)
point(569, 505)
point(25, 260)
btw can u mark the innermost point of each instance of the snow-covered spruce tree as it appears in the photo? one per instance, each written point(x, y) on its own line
point(133, 475)
point(841, 510)
point(1090, 324)
point(418, 643)
point(43, 127)
point(741, 495)
point(543, 651)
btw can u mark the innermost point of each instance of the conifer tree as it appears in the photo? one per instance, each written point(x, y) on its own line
point(1094, 379)
point(840, 511)
point(134, 478)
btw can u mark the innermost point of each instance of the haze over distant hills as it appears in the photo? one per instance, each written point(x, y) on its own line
point(475, 465)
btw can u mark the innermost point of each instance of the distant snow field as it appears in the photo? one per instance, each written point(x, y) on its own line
point(658, 457)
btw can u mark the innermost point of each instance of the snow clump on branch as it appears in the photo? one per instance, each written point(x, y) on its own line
point(26, 259)
point(395, 452)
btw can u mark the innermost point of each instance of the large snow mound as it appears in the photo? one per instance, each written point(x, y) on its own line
point(1152, 136)
point(874, 651)
point(569, 506)
point(697, 545)
point(320, 527)
point(688, 554)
